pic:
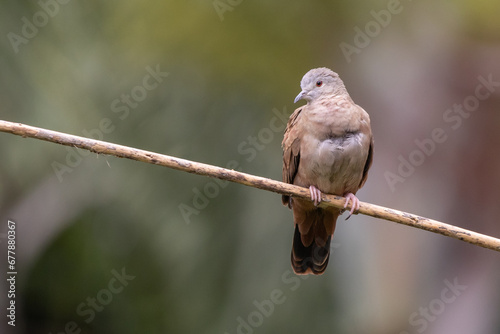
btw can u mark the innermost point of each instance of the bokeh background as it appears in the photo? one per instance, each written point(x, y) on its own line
point(107, 245)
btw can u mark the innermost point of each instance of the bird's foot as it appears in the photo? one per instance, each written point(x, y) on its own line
point(315, 195)
point(354, 203)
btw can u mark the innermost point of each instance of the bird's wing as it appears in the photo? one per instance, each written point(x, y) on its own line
point(291, 152)
point(366, 129)
point(368, 164)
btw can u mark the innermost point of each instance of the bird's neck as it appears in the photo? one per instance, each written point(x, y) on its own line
point(331, 100)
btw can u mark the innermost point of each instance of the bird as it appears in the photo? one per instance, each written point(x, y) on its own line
point(328, 148)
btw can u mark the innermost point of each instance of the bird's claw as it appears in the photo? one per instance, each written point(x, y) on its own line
point(354, 204)
point(315, 195)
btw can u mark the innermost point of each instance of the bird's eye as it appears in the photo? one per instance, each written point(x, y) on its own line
point(319, 83)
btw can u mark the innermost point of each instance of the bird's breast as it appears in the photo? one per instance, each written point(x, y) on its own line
point(335, 163)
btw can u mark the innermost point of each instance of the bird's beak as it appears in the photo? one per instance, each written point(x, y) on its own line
point(300, 96)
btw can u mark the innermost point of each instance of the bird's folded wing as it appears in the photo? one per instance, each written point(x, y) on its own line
point(291, 152)
point(368, 164)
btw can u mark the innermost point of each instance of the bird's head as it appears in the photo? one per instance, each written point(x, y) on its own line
point(319, 83)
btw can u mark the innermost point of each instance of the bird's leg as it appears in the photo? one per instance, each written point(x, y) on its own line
point(354, 203)
point(315, 195)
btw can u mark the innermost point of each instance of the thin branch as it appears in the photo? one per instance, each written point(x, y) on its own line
point(120, 151)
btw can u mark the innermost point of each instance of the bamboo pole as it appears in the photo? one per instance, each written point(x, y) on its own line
point(102, 147)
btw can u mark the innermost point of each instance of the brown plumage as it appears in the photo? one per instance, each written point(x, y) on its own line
point(327, 147)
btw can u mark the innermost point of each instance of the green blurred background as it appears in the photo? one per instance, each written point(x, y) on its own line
point(107, 245)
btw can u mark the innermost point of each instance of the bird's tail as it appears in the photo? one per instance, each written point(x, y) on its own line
point(311, 241)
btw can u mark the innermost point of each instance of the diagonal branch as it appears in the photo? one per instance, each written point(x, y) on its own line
point(120, 151)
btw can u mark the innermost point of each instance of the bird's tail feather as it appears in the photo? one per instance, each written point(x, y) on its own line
point(311, 245)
